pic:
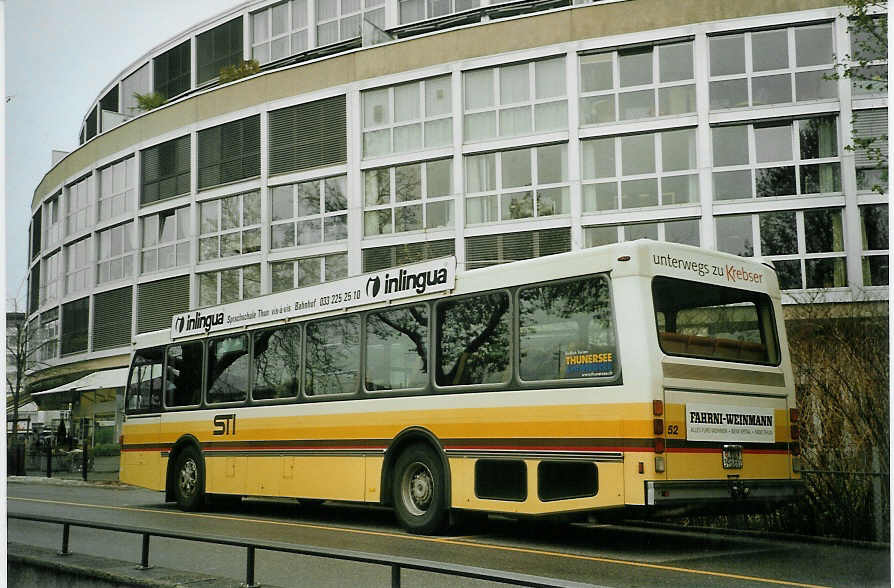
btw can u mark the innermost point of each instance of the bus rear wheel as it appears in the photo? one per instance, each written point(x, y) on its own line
point(189, 481)
point(418, 491)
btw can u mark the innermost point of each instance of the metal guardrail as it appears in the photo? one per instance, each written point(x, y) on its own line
point(396, 563)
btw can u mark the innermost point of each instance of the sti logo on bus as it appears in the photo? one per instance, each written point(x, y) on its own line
point(198, 321)
point(407, 281)
point(222, 424)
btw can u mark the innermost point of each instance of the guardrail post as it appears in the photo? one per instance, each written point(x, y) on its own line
point(65, 532)
point(250, 567)
point(395, 576)
point(49, 460)
point(144, 560)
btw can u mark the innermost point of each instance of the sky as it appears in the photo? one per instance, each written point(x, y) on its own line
point(59, 55)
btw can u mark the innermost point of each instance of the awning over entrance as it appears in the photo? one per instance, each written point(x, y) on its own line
point(116, 378)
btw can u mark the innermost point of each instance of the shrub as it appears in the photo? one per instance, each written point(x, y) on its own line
point(149, 101)
point(231, 73)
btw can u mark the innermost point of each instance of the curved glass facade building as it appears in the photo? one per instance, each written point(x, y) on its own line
point(383, 132)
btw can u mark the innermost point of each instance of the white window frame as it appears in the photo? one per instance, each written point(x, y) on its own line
point(291, 30)
point(499, 191)
point(107, 260)
point(424, 200)
point(153, 243)
point(218, 234)
point(320, 214)
point(203, 280)
point(615, 92)
point(115, 200)
point(79, 265)
point(323, 261)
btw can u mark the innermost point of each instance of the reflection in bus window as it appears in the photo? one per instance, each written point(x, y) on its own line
point(183, 374)
point(332, 364)
point(277, 358)
point(396, 349)
point(714, 322)
point(566, 331)
point(144, 389)
point(473, 340)
point(228, 369)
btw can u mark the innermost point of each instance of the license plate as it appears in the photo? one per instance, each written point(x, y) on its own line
point(732, 457)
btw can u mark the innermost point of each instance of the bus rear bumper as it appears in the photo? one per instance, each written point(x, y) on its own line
point(733, 491)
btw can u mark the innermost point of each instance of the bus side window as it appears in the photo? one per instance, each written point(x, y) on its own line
point(183, 374)
point(332, 363)
point(566, 330)
point(473, 340)
point(276, 360)
point(144, 388)
point(397, 348)
point(227, 369)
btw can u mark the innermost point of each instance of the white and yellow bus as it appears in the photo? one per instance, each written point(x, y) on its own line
point(640, 375)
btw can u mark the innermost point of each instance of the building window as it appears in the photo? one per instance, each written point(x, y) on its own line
point(340, 20)
point(165, 170)
point(166, 240)
point(869, 56)
point(53, 224)
point(637, 83)
point(413, 10)
point(116, 253)
point(521, 183)
point(229, 285)
point(309, 212)
point(514, 100)
point(230, 152)
point(75, 325)
point(408, 197)
point(34, 289)
point(379, 258)
point(871, 149)
point(279, 31)
point(116, 185)
point(308, 135)
point(136, 83)
point(776, 159)
point(49, 334)
point(487, 250)
point(633, 171)
point(308, 271)
point(218, 48)
point(874, 233)
point(51, 278)
point(806, 246)
point(79, 200)
point(36, 233)
point(685, 231)
point(758, 68)
point(230, 226)
point(172, 71)
point(112, 317)
point(79, 266)
point(407, 117)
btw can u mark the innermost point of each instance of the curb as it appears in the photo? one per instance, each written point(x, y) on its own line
point(114, 484)
point(756, 534)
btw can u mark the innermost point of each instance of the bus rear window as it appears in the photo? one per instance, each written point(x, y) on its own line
point(713, 322)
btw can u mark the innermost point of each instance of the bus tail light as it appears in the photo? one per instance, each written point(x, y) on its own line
point(794, 415)
point(659, 445)
point(659, 464)
point(795, 431)
point(658, 426)
point(121, 440)
point(658, 407)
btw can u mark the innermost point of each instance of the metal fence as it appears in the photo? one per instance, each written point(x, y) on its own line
point(394, 562)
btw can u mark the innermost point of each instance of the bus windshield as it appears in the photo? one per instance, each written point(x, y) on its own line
point(714, 322)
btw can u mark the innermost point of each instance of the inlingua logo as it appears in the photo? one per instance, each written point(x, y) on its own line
point(180, 323)
point(373, 285)
point(204, 322)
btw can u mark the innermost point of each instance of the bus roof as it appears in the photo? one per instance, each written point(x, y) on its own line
point(438, 277)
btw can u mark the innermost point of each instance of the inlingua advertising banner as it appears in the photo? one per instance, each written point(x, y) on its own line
point(428, 277)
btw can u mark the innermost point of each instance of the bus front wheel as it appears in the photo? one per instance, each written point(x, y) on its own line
point(189, 483)
point(418, 491)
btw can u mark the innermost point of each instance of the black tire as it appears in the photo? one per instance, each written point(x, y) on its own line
point(418, 491)
point(189, 480)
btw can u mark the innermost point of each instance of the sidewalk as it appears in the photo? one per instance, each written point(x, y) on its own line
point(105, 469)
